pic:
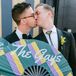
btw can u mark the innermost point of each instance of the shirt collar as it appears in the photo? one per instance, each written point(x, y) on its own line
point(19, 33)
point(53, 29)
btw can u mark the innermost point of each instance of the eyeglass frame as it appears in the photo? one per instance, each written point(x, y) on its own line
point(29, 16)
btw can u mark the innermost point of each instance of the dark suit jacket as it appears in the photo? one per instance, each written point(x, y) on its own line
point(12, 37)
point(68, 49)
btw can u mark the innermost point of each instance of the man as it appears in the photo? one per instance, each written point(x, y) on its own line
point(23, 15)
point(62, 41)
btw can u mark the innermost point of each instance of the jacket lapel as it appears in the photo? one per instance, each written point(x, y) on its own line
point(42, 36)
point(59, 33)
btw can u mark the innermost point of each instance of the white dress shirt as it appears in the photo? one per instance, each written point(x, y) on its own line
point(53, 35)
point(19, 33)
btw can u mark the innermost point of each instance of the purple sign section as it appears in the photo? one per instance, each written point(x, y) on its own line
point(12, 64)
point(52, 69)
point(33, 53)
point(54, 50)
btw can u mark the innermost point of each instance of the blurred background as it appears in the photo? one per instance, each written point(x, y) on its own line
point(64, 10)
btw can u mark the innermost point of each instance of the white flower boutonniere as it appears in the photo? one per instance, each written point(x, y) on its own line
point(63, 40)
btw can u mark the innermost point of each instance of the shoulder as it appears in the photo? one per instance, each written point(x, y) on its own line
point(10, 35)
point(68, 35)
point(65, 32)
point(40, 35)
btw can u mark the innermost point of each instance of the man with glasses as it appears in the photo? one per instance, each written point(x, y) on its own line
point(23, 15)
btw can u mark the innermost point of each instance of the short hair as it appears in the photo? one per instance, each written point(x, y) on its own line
point(46, 6)
point(18, 9)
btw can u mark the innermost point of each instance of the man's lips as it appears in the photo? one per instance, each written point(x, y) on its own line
point(36, 21)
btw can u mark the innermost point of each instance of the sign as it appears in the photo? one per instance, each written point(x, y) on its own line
point(33, 58)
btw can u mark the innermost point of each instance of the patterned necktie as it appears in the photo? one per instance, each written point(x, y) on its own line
point(48, 33)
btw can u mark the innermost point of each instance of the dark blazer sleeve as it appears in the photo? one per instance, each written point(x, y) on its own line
point(72, 54)
point(70, 50)
point(73, 49)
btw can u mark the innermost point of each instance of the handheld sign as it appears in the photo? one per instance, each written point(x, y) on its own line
point(33, 58)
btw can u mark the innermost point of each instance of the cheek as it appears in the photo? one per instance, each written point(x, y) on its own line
point(42, 17)
point(32, 21)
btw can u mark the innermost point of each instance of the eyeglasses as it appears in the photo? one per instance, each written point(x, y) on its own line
point(32, 15)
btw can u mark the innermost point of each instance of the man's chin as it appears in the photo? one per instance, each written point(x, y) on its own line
point(37, 24)
point(34, 26)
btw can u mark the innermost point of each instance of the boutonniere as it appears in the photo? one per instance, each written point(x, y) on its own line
point(63, 40)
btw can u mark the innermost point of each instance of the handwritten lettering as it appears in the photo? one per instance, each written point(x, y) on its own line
point(39, 55)
point(22, 52)
point(48, 57)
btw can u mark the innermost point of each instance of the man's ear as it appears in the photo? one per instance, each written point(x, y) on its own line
point(23, 21)
point(50, 14)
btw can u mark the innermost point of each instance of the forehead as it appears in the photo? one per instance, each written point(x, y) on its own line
point(40, 8)
point(27, 11)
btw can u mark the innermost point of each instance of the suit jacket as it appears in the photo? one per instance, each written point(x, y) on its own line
point(68, 49)
point(12, 37)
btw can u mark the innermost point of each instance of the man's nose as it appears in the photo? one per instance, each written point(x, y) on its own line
point(35, 17)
